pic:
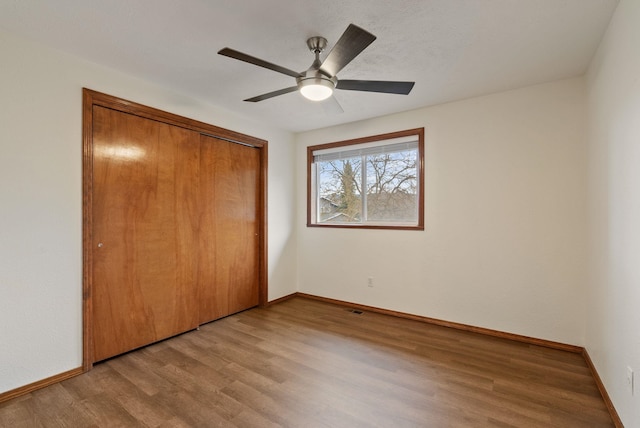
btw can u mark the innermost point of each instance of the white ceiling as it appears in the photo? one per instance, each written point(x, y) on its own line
point(452, 49)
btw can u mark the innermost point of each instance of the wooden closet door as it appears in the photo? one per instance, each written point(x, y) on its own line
point(145, 221)
point(229, 228)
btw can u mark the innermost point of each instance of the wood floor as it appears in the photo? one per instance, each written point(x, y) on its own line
point(304, 363)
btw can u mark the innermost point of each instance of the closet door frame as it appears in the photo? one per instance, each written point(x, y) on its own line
point(93, 98)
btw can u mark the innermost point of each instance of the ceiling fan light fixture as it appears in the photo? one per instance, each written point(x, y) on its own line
point(316, 88)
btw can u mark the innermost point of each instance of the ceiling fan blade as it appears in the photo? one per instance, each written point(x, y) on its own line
point(231, 53)
point(272, 94)
point(353, 41)
point(385, 86)
point(331, 106)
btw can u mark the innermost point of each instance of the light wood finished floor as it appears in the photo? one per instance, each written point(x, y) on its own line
point(303, 363)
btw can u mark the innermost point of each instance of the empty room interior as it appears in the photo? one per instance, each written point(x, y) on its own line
point(448, 238)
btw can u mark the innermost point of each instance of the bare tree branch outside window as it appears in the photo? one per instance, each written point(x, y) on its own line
point(392, 186)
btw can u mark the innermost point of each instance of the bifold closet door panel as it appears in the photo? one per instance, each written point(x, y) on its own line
point(229, 228)
point(145, 225)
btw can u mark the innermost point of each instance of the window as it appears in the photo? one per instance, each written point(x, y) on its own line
point(373, 182)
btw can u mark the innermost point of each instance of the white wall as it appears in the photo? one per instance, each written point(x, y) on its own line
point(613, 311)
point(41, 201)
point(504, 245)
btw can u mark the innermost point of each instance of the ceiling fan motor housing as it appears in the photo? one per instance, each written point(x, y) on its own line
point(316, 86)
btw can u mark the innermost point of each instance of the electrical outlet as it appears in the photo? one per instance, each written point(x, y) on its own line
point(370, 281)
point(630, 379)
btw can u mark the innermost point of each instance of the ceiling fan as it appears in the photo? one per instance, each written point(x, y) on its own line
point(318, 82)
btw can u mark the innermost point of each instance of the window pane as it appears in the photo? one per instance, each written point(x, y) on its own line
point(392, 187)
point(339, 190)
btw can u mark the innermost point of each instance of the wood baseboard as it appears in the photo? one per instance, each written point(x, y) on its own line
point(23, 390)
point(605, 395)
point(282, 299)
point(450, 324)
